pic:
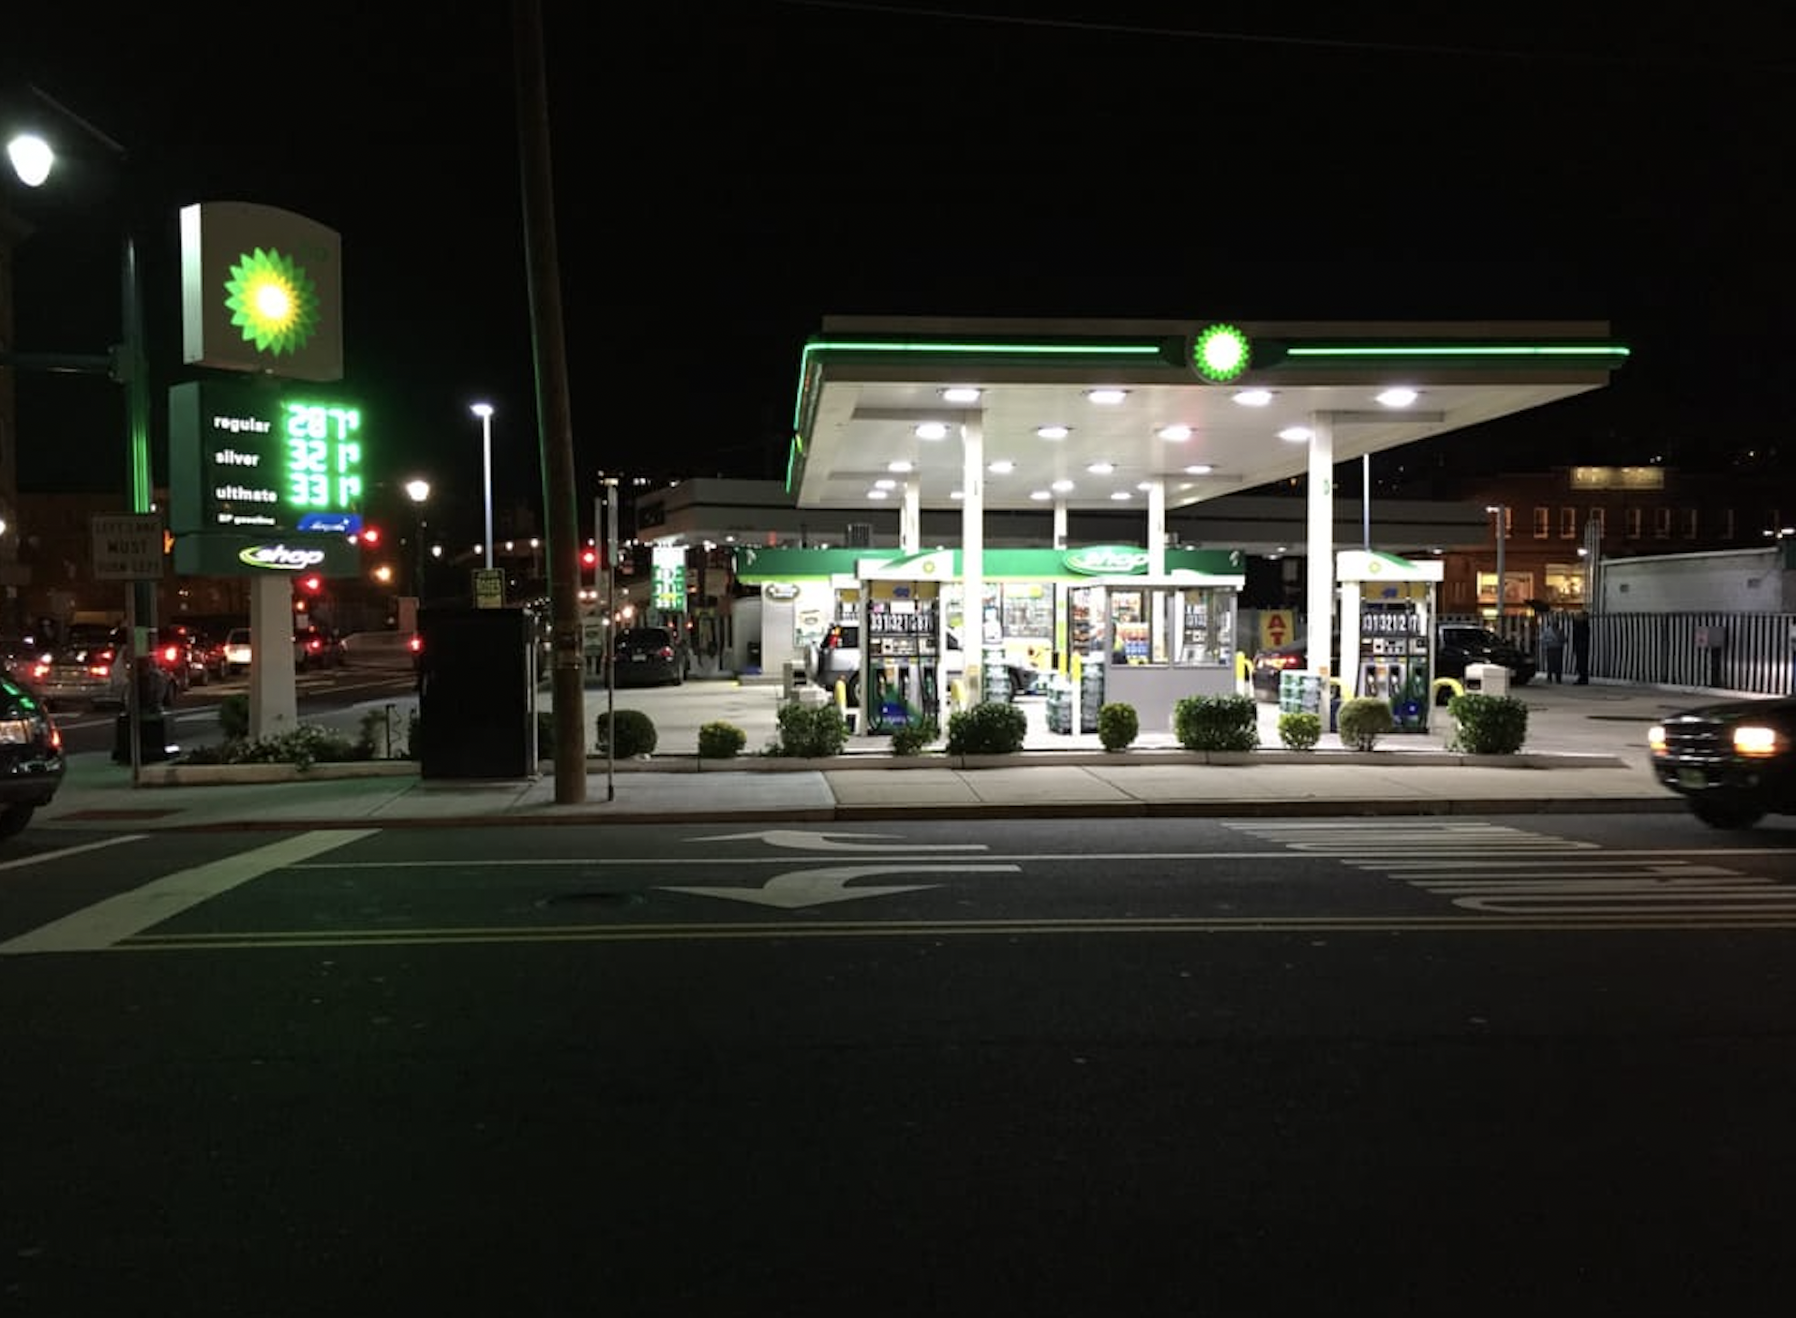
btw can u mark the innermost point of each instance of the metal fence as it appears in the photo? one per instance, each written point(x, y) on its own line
point(1750, 652)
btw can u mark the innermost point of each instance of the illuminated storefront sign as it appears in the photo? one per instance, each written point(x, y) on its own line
point(280, 558)
point(261, 291)
point(1106, 560)
point(259, 459)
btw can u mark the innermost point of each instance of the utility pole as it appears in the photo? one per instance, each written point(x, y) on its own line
point(561, 523)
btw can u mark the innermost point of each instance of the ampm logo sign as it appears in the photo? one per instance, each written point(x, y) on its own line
point(280, 558)
point(1106, 560)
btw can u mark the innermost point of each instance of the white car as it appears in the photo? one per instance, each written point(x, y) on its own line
point(236, 651)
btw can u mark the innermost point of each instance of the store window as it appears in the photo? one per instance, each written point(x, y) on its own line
point(1568, 523)
point(1661, 523)
point(1541, 528)
point(1633, 523)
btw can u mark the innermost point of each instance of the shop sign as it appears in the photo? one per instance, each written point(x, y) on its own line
point(1105, 560)
point(280, 558)
point(780, 591)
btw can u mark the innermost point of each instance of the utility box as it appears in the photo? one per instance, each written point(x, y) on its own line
point(1487, 679)
point(476, 693)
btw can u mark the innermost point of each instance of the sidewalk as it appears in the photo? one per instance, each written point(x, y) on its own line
point(1585, 752)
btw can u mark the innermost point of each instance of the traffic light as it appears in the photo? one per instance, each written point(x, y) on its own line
point(370, 537)
point(589, 557)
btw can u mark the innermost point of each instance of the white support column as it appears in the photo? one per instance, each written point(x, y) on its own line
point(972, 553)
point(1060, 523)
point(910, 519)
point(1156, 527)
point(273, 699)
point(1319, 597)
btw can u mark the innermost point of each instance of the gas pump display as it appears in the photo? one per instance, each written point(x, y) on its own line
point(902, 654)
point(1393, 657)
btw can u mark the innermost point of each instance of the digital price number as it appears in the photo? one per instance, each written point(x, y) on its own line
point(324, 457)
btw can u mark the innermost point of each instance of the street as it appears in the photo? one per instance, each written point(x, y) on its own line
point(1472, 1065)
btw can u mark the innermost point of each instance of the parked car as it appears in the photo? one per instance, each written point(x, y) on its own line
point(1456, 644)
point(173, 653)
point(31, 759)
point(1734, 761)
point(649, 656)
point(81, 676)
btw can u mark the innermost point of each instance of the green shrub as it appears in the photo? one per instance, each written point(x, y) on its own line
point(992, 727)
point(233, 717)
point(625, 734)
point(302, 747)
point(720, 741)
point(1118, 726)
point(1299, 732)
point(1487, 725)
point(1363, 720)
point(1216, 723)
point(810, 732)
point(914, 736)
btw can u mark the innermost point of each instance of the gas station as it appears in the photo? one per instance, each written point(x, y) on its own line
point(1054, 417)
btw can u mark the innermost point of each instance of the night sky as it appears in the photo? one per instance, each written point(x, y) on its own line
point(727, 175)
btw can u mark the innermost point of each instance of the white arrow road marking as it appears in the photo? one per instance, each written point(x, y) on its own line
point(820, 886)
point(802, 840)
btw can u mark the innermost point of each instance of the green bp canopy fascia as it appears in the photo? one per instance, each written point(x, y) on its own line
point(756, 566)
point(1275, 359)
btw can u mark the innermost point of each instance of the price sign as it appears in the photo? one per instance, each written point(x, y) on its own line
point(261, 459)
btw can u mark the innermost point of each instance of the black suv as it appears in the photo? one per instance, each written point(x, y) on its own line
point(31, 763)
point(1734, 761)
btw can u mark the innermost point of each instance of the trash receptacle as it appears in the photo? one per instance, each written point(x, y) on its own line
point(152, 738)
point(1487, 679)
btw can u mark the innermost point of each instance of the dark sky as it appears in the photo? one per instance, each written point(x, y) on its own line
point(727, 175)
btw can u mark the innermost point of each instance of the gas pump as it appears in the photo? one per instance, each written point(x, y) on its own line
point(1387, 610)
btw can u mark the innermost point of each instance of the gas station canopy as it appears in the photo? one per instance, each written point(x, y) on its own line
point(1202, 408)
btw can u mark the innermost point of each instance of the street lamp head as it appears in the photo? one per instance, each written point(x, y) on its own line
point(31, 158)
point(482, 410)
point(419, 490)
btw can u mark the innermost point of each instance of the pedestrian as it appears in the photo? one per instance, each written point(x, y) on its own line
point(1580, 643)
point(1552, 649)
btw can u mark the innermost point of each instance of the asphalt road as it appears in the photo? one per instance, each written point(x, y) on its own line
point(1444, 1065)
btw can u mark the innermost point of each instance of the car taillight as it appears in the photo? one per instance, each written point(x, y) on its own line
point(171, 654)
point(667, 652)
point(415, 645)
point(40, 669)
point(100, 670)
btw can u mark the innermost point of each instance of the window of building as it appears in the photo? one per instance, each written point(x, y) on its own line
point(1541, 528)
point(1568, 523)
point(1600, 517)
point(1661, 523)
point(1727, 523)
point(1690, 524)
point(1633, 520)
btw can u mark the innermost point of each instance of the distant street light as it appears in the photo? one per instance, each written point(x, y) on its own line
point(418, 491)
point(485, 412)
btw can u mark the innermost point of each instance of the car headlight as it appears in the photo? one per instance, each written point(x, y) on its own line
point(1655, 738)
point(1756, 739)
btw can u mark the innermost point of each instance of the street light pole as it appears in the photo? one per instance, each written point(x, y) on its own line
point(419, 491)
point(485, 412)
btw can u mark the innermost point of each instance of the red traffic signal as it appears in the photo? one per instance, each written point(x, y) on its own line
point(370, 536)
point(589, 557)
